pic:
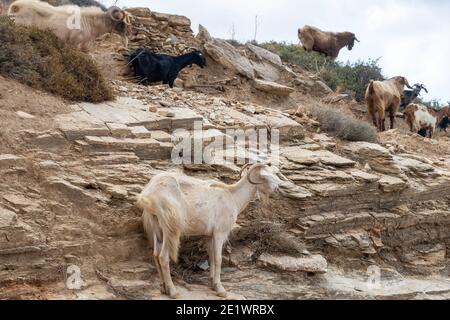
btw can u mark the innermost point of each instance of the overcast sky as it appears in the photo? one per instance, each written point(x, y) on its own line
point(412, 37)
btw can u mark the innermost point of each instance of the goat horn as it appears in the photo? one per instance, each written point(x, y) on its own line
point(113, 10)
point(249, 178)
point(356, 39)
point(407, 84)
point(243, 169)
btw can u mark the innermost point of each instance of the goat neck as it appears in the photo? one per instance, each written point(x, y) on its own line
point(344, 38)
point(184, 60)
point(243, 192)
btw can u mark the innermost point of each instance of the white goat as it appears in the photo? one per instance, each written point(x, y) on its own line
point(420, 117)
point(176, 205)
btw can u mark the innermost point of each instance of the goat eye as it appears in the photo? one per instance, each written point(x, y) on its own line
point(15, 9)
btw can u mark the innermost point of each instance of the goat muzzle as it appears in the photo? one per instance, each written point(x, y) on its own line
point(282, 176)
point(117, 14)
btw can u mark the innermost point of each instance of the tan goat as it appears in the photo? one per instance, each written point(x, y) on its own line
point(78, 26)
point(328, 43)
point(384, 97)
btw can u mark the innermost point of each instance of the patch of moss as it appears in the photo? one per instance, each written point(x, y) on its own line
point(40, 60)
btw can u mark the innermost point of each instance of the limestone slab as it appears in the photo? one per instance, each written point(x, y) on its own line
point(310, 264)
point(272, 87)
point(9, 160)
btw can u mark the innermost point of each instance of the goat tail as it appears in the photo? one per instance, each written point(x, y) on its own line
point(171, 222)
point(149, 226)
point(371, 89)
point(144, 202)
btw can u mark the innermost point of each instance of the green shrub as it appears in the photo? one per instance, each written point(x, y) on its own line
point(353, 76)
point(39, 59)
point(343, 126)
point(310, 61)
point(350, 76)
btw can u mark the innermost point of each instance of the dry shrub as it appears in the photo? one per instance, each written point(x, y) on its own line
point(343, 126)
point(40, 60)
point(265, 237)
point(261, 237)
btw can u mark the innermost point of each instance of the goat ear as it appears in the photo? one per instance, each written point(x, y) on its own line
point(42, 12)
point(14, 9)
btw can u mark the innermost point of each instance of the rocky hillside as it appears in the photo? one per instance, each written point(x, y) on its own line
point(70, 174)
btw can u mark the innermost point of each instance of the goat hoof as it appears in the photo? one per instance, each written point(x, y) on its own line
point(220, 290)
point(173, 293)
point(164, 290)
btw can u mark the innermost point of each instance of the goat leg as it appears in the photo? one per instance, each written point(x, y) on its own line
point(392, 116)
point(162, 284)
point(164, 261)
point(156, 253)
point(218, 247)
point(212, 263)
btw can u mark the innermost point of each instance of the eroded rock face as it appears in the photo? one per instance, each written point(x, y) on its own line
point(9, 160)
point(228, 56)
point(376, 156)
point(264, 54)
point(307, 157)
point(392, 184)
point(7, 218)
point(203, 34)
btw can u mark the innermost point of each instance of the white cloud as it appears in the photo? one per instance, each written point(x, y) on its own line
point(410, 36)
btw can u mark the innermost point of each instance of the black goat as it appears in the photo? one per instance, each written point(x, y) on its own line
point(444, 124)
point(150, 67)
point(423, 132)
point(410, 95)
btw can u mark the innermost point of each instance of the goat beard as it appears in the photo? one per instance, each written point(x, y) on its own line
point(263, 197)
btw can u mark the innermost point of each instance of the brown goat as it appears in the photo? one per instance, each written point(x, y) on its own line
point(384, 97)
point(328, 43)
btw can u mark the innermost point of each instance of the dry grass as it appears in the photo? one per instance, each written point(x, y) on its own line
point(40, 60)
point(343, 126)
